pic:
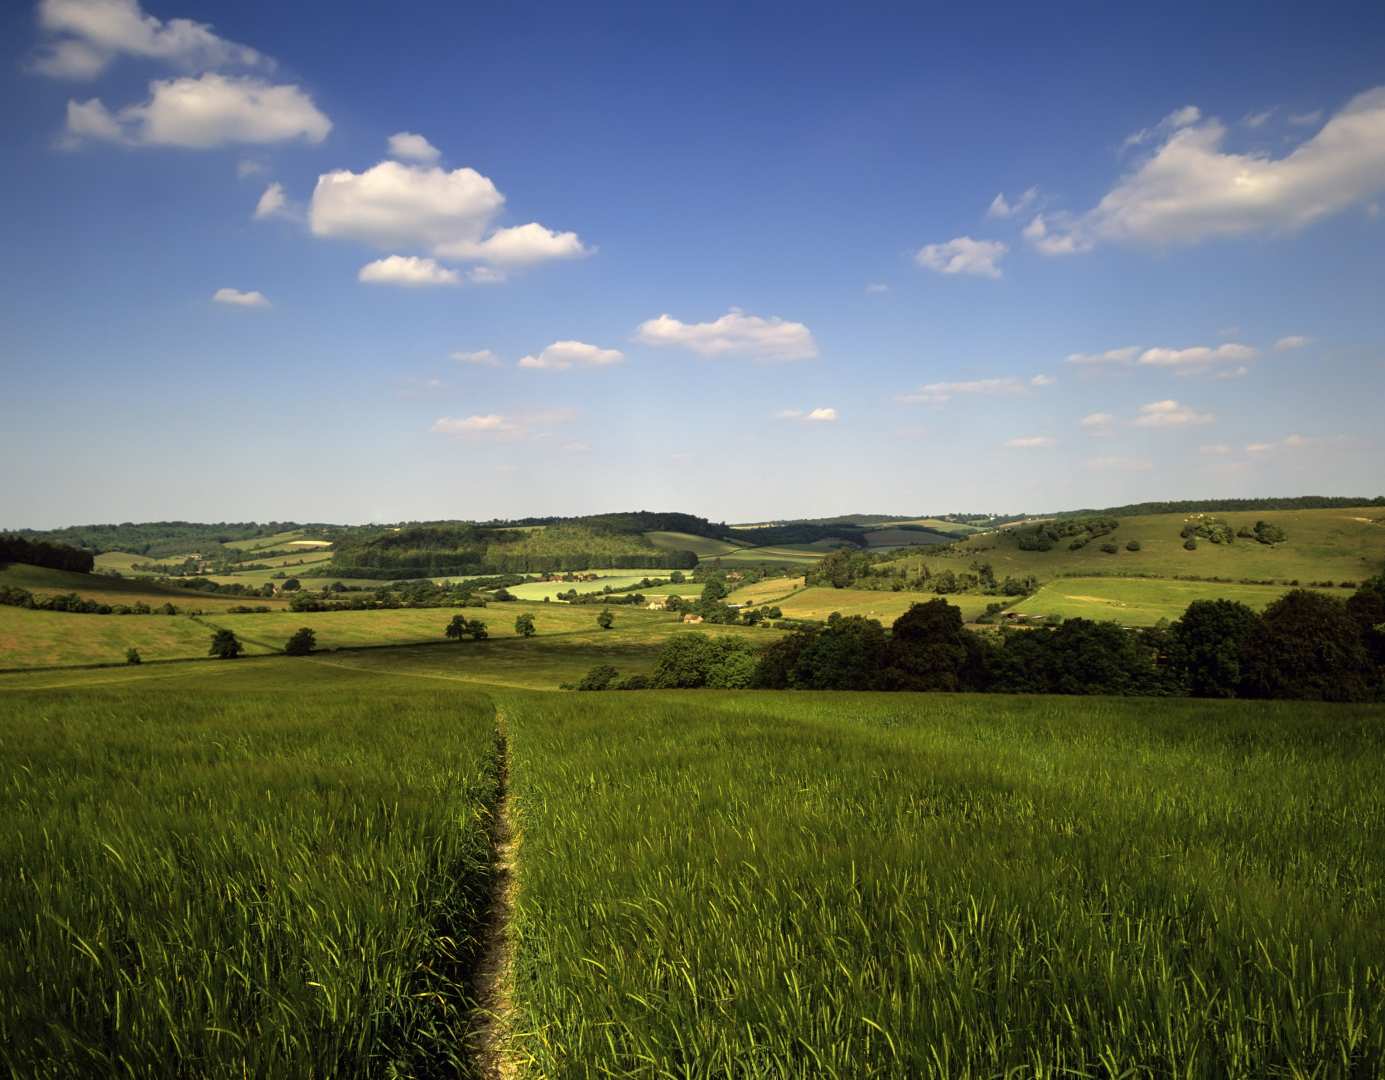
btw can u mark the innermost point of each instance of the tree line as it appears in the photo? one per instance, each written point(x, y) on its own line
point(49, 553)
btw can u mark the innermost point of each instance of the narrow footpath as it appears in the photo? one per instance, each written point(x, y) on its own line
point(491, 1021)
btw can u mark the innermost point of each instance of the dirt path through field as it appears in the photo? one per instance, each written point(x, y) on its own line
point(491, 1021)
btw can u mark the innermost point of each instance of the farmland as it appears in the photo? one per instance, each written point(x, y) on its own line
point(43, 581)
point(820, 602)
point(1139, 601)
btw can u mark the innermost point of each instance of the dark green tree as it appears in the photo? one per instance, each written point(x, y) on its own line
point(524, 625)
point(301, 643)
point(291, 585)
point(132, 656)
point(1306, 646)
point(1205, 647)
point(1366, 606)
point(605, 620)
point(225, 645)
point(847, 654)
point(930, 650)
point(598, 678)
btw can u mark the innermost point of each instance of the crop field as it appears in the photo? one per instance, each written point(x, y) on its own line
point(122, 562)
point(266, 874)
point(766, 591)
point(266, 543)
point(784, 554)
point(1335, 545)
point(820, 601)
point(47, 638)
point(844, 885)
point(702, 546)
point(616, 579)
point(1140, 601)
point(42, 581)
point(895, 537)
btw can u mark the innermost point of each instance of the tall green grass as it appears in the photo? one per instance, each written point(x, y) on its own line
point(277, 872)
point(851, 885)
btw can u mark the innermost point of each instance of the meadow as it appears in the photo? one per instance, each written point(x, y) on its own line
point(258, 871)
point(1141, 601)
point(43, 581)
point(818, 602)
point(840, 885)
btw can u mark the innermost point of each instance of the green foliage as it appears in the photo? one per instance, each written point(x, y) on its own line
point(1205, 647)
point(606, 619)
point(1110, 549)
point(461, 628)
point(694, 660)
point(132, 656)
point(303, 642)
point(1210, 529)
point(1133, 545)
point(1306, 646)
point(1267, 533)
point(57, 556)
point(225, 645)
point(524, 625)
point(599, 678)
point(1190, 544)
point(291, 585)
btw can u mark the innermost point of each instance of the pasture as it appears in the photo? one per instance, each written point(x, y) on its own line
point(702, 546)
point(43, 581)
point(1140, 601)
point(1336, 545)
point(616, 579)
point(819, 602)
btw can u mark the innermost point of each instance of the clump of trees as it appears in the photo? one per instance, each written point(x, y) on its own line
point(49, 553)
point(461, 628)
point(225, 645)
point(301, 643)
point(524, 625)
point(1217, 531)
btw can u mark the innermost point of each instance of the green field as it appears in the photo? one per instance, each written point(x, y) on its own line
point(851, 884)
point(1322, 545)
point(702, 546)
point(821, 601)
point(1140, 601)
point(42, 581)
point(280, 873)
point(616, 579)
point(48, 638)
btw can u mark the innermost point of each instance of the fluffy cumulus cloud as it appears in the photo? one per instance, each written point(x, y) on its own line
point(203, 112)
point(1293, 341)
point(504, 427)
point(1197, 358)
point(272, 203)
point(446, 213)
point(84, 36)
point(1191, 187)
point(482, 424)
point(1124, 355)
point(564, 355)
point(938, 392)
point(410, 271)
point(1031, 442)
point(237, 298)
point(1002, 208)
point(409, 146)
point(963, 255)
point(477, 358)
point(875, 288)
point(1170, 414)
point(734, 334)
point(821, 415)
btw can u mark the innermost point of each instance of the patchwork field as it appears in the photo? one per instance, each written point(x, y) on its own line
point(46, 638)
point(1336, 545)
point(1140, 601)
point(766, 591)
point(702, 546)
point(616, 579)
point(820, 602)
point(42, 581)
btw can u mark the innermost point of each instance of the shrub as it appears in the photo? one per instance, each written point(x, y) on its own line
point(1205, 646)
point(605, 620)
point(524, 625)
point(225, 645)
point(633, 682)
point(598, 678)
point(301, 643)
point(1110, 549)
point(132, 656)
point(1190, 544)
point(1134, 545)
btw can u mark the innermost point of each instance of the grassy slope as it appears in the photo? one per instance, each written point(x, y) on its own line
point(45, 638)
point(702, 546)
point(819, 602)
point(257, 870)
point(851, 884)
point(1322, 545)
point(1141, 601)
point(42, 581)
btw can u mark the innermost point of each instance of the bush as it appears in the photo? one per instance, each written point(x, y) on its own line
point(633, 682)
point(1134, 545)
point(1110, 549)
point(225, 645)
point(301, 643)
point(598, 678)
point(1190, 544)
point(1205, 647)
point(694, 660)
point(524, 625)
point(605, 620)
point(132, 656)
point(461, 627)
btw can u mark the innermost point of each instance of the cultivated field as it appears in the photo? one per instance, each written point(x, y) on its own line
point(702, 546)
point(1141, 601)
point(42, 581)
point(821, 601)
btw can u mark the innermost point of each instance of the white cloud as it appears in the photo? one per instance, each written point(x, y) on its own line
point(203, 112)
point(1120, 464)
point(1031, 442)
point(821, 415)
point(1042, 380)
point(1165, 414)
point(407, 146)
point(1259, 119)
point(1190, 188)
point(407, 270)
point(89, 34)
point(1306, 119)
point(734, 334)
point(479, 358)
point(1293, 341)
point(249, 167)
point(938, 392)
point(1097, 423)
point(1224, 373)
point(240, 299)
point(963, 255)
point(1067, 241)
point(1214, 449)
point(272, 202)
point(485, 424)
point(1179, 118)
point(1124, 355)
point(1259, 447)
point(520, 245)
point(1000, 208)
point(485, 275)
point(562, 355)
point(877, 287)
point(1197, 357)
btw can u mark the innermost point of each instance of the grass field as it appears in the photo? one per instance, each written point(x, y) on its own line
point(1336, 545)
point(46, 638)
point(42, 581)
point(702, 546)
point(122, 562)
point(763, 592)
point(845, 885)
point(1140, 601)
point(616, 579)
point(271, 874)
point(820, 602)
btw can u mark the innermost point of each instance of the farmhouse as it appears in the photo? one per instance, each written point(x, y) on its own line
point(691, 618)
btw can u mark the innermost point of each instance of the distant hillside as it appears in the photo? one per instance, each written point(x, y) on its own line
point(1207, 506)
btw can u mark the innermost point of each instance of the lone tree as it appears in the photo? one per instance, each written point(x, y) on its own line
point(605, 620)
point(291, 585)
point(132, 656)
point(225, 645)
point(524, 625)
point(302, 643)
point(461, 627)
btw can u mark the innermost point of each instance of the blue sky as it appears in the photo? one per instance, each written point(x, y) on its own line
point(307, 262)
